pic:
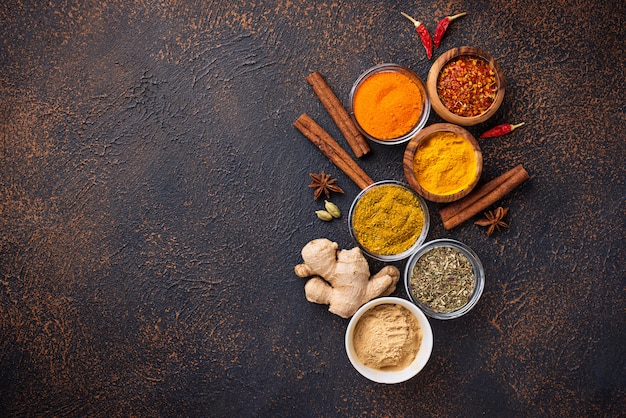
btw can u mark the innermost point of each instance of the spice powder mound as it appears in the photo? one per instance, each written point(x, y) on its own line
point(443, 279)
point(387, 337)
point(388, 220)
point(445, 163)
point(467, 85)
point(387, 105)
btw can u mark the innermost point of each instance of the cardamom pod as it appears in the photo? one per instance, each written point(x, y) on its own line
point(323, 215)
point(332, 209)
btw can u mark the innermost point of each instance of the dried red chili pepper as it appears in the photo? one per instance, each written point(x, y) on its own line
point(500, 130)
point(442, 27)
point(424, 35)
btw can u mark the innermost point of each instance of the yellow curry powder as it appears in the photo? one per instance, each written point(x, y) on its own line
point(387, 105)
point(445, 163)
point(388, 219)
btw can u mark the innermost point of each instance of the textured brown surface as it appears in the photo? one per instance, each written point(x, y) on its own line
point(154, 200)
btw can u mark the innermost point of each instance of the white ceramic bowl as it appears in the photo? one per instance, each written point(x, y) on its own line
point(423, 353)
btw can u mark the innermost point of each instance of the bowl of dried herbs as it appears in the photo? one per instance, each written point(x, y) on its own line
point(444, 278)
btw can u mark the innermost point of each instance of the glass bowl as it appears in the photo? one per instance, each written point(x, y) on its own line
point(391, 376)
point(380, 215)
point(425, 135)
point(477, 269)
point(433, 80)
point(384, 110)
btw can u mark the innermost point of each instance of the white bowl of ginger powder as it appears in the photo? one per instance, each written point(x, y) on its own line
point(389, 340)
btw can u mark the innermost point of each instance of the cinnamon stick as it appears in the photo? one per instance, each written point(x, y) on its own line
point(338, 113)
point(331, 149)
point(481, 198)
point(452, 209)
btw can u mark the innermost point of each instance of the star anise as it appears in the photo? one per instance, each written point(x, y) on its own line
point(323, 183)
point(494, 220)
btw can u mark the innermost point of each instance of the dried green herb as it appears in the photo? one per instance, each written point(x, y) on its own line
point(443, 278)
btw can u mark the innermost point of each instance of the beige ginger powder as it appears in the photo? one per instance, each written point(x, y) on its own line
point(387, 337)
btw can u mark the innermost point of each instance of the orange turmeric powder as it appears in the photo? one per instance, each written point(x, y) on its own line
point(387, 105)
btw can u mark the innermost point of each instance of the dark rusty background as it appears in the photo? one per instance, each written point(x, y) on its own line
point(154, 200)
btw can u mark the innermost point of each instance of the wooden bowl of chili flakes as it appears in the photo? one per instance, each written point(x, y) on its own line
point(466, 86)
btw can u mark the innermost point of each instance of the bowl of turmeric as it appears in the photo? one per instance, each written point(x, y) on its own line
point(389, 104)
point(388, 220)
point(465, 86)
point(389, 340)
point(443, 162)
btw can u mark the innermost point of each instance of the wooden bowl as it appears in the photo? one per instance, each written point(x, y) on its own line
point(413, 146)
point(440, 107)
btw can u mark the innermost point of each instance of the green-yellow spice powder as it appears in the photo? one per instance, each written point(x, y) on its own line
point(387, 219)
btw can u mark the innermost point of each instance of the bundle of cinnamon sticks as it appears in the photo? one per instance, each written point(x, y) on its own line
point(326, 143)
point(331, 149)
point(339, 114)
point(480, 199)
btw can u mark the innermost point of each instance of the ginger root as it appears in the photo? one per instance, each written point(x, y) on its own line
point(341, 278)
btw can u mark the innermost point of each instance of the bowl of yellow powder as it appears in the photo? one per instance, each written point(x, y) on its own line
point(389, 104)
point(443, 162)
point(389, 340)
point(388, 220)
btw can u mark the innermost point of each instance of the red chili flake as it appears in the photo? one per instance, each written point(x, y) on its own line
point(500, 130)
point(442, 26)
point(424, 35)
point(467, 85)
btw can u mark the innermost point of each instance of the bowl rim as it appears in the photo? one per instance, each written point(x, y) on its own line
point(392, 67)
point(479, 277)
point(440, 108)
point(411, 149)
point(418, 242)
point(397, 376)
